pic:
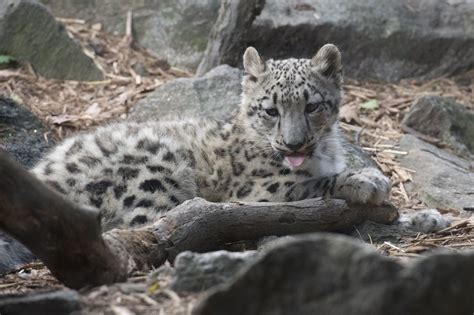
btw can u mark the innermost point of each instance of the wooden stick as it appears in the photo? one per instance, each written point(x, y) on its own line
point(68, 238)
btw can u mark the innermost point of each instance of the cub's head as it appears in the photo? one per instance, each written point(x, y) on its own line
point(292, 103)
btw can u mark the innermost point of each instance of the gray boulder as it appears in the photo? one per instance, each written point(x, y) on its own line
point(21, 136)
point(443, 119)
point(197, 272)
point(12, 254)
point(56, 302)
point(442, 180)
point(21, 133)
point(396, 40)
point(216, 94)
point(29, 32)
point(175, 30)
point(333, 274)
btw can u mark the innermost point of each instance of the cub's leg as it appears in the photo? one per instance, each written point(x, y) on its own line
point(367, 185)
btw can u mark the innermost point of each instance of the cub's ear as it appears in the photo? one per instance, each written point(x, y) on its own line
point(254, 65)
point(327, 62)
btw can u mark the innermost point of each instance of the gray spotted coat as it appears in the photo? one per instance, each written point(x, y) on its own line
point(282, 145)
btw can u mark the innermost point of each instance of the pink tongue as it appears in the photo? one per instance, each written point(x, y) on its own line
point(295, 160)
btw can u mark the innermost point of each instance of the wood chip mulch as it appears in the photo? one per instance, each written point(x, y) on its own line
point(130, 72)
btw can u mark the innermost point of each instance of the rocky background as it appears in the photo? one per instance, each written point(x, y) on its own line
point(70, 65)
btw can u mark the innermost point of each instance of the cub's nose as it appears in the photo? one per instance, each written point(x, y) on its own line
point(294, 146)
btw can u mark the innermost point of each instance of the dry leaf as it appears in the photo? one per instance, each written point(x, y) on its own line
point(349, 113)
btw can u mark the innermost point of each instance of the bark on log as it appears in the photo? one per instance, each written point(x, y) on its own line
point(68, 238)
point(226, 40)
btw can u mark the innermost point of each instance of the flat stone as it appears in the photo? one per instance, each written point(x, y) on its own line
point(443, 119)
point(198, 272)
point(334, 274)
point(216, 94)
point(28, 31)
point(57, 302)
point(442, 180)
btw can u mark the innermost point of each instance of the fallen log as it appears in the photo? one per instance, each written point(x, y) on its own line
point(201, 226)
point(69, 240)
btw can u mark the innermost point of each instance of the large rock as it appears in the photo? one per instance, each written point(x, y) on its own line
point(21, 133)
point(443, 119)
point(442, 180)
point(12, 254)
point(216, 94)
point(329, 274)
point(175, 30)
point(398, 39)
point(29, 32)
point(197, 272)
point(57, 302)
point(21, 136)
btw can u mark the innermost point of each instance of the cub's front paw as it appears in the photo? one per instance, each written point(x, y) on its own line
point(367, 185)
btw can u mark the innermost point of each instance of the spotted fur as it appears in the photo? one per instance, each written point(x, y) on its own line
point(133, 172)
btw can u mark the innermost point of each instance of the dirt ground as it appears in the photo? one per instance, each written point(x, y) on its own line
point(131, 72)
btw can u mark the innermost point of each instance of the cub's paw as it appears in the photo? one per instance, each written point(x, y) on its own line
point(426, 221)
point(367, 185)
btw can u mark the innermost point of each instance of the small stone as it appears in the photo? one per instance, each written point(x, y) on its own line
point(57, 302)
point(140, 69)
point(160, 277)
point(198, 272)
point(98, 48)
point(128, 287)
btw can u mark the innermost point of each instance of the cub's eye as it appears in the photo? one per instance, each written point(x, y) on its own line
point(272, 111)
point(311, 107)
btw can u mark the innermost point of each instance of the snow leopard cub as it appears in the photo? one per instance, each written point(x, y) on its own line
point(282, 145)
